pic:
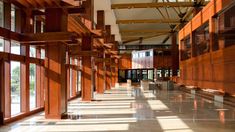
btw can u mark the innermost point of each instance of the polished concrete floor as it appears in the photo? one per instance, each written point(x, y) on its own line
point(118, 110)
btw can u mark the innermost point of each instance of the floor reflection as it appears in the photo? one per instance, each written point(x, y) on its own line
point(121, 110)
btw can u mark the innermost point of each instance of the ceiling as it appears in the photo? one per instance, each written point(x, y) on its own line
point(149, 27)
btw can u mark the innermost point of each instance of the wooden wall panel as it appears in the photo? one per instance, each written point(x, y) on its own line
point(162, 61)
point(212, 70)
point(125, 62)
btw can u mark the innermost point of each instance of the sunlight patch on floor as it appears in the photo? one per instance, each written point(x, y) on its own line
point(173, 124)
point(73, 128)
point(157, 105)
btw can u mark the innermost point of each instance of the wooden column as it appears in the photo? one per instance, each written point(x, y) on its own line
point(107, 67)
point(7, 82)
point(6, 64)
point(7, 15)
point(74, 78)
point(112, 68)
point(39, 81)
point(56, 92)
point(87, 46)
point(68, 75)
point(116, 71)
point(108, 74)
point(24, 77)
point(1, 92)
point(100, 78)
point(100, 66)
point(112, 76)
point(86, 70)
point(175, 55)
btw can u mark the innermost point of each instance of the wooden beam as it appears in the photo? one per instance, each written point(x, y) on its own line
point(102, 60)
point(76, 10)
point(148, 21)
point(84, 53)
point(146, 37)
point(144, 31)
point(109, 45)
point(8, 34)
point(74, 2)
point(97, 33)
point(48, 37)
point(154, 5)
point(111, 52)
point(100, 20)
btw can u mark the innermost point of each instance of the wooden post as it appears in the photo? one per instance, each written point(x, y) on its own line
point(108, 75)
point(74, 78)
point(2, 97)
point(86, 70)
point(68, 76)
point(7, 15)
point(7, 82)
point(114, 48)
point(100, 66)
point(100, 77)
point(175, 55)
point(56, 93)
point(87, 46)
point(107, 67)
point(116, 72)
point(24, 75)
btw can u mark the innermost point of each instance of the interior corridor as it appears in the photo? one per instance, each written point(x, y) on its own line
point(121, 110)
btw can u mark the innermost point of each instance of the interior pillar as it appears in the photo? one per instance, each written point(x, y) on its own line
point(56, 92)
point(100, 78)
point(74, 78)
point(108, 74)
point(175, 55)
point(1, 93)
point(100, 66)
point(86, 70)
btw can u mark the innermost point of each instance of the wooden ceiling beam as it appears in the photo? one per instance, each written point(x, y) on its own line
point(40, 3)
point(154, 5)
point(76, 10)
point(97, 33)
point(32, 3)
point(144, 31)
point(146, 37)
point(22, 2)
point(74, 2)
point(48, 37)
point(84, 53)
point(108, 46)
point(148, 21)
point(102, 60)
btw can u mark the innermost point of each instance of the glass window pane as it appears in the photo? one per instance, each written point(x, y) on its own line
point(144, 75)
point(32, 82)
point(71, 61)
point(42, 54)
point(1, 44)
point(13, 18)
point(76, 61)
point(42, 27)
point(1, 14)
point(15, 88)
point(15, 47)
point(150, 74)
point(32, 52)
